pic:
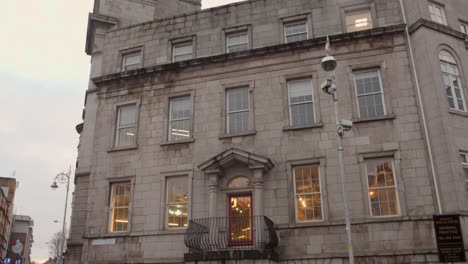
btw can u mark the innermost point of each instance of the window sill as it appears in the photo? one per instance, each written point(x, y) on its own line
point(380, 118)
point(115, 149)
point(290, 128)
point(244, 134)
point(458, 112)
point(178, 142)
point(108, 235)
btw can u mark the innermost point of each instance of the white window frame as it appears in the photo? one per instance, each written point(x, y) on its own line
point(236, 34)
point(129, 54)
point(451, 78)
point(118, 127)
point(464, 164)
point(167, 204)
point(312, 101)
point(111, 208)
point(358, 12)
point(395, 180)
point(228, 91)
point(311, 193)
point(179, 45)
point(381, 92)
point(295, 23)
point(171, 101)
point(441, 9)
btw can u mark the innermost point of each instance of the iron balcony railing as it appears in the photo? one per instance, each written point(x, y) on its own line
point(231, 233)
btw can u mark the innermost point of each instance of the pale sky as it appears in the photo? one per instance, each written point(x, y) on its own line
point(43, 77)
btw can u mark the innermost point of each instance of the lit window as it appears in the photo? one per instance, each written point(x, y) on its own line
point(464, 28)
point(182, 51)
point(383, 195)
point(177, 202)
point(307, 192)
point(238, 110)
point(301, 102)
point(119, 206)
point(464, 163)
point(296, 31)
point(437, 13)
point(452, 82)
point(179, 118)
point(131, 61)
point(359, 20)
point(369, 94)
point(126, 125)
point(237, 42)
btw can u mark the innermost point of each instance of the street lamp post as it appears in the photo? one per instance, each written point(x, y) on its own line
point(63, 178)
point(329, 86)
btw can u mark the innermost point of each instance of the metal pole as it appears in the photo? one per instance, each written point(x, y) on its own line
point(340, 132)
point(65, 214)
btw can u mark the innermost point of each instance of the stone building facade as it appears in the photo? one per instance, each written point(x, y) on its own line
point(206, 137)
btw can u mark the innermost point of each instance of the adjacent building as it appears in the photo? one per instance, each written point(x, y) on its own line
point(7, 195)
point(206, 137)
point(21, 239)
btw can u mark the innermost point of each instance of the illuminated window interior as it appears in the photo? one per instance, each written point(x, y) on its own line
point(307, 193)
point(177, 202)
point(119, 206)
point(240, 225)
point(382, 187)
point(360, 20)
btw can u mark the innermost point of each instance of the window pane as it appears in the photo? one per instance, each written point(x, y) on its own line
point(127, 115)
point(295, 32)
point(177, 202)
point(120, 201)
point(308, 197)
point(182, 52)
point(179, 119)
point(238, 118)
point(131, 61)
point(382, 187)
point(237, 42)
point(300, 100)
point(369, 92)
point(465, 172)
point(126, 126)
point(357, 21)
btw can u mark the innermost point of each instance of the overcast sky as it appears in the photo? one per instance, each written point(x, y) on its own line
point(43, 76)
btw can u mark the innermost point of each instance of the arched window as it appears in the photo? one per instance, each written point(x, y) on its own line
point(452, 82)
point(239, 182)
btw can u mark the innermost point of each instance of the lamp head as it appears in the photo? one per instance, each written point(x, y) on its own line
point(329, 63)
point(54, 186)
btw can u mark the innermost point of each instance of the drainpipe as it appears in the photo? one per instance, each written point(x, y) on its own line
point(421, 108)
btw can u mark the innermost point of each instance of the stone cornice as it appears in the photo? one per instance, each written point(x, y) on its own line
point(315, 42)
point(437, 27)
point(92, 20)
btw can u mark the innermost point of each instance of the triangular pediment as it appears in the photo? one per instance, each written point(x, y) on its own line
point(235, 156)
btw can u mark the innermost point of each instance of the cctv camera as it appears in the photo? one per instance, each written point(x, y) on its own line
point(346, 124)
point(328, 86)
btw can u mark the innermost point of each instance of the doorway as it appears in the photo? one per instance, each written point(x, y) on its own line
point(240, 220)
